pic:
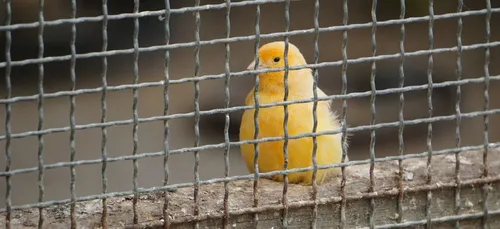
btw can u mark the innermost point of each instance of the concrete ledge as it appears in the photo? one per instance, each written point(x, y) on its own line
point(355, 210)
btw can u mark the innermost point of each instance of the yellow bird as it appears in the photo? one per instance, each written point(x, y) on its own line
point(300, 119)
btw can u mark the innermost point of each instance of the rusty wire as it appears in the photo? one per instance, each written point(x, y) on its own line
point(345, 20)
point(486, 117)
point(166, 100)
point(401, 117)
point(315, 115)
point(41, 166)
point(373, 110)
point(458, 137)
point(197, 114)
point(135, 135)
point(227, 144)
point(104, 111)
point(8, 109)
point(284, 200)
point(255, 118)
point(227, 98)
point(430, 65)
point(72, 121)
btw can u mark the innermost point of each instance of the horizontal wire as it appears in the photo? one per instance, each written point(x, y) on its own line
point(439, 220)
point(248, 72)
point(268, 139)
point(242, 108)
point(140, 14)
point(247, 38)
point(174, 187)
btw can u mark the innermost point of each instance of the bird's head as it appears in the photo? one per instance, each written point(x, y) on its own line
point(271, 55)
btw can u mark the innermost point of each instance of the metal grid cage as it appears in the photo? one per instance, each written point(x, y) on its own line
point(106, 199)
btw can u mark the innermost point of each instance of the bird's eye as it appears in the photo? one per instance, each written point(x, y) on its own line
point(276, 59)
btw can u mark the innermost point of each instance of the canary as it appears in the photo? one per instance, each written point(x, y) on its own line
point(300, 119)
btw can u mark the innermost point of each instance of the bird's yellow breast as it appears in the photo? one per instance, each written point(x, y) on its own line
point(300, 121)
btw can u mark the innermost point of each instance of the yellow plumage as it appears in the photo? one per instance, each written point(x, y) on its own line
point(300, 119)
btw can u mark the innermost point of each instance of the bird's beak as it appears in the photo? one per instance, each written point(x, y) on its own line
point(251, 66)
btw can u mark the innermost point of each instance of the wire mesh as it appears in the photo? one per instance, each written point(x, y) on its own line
point(41, 131)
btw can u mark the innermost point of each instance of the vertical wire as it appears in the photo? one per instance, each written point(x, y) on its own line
point(104, 113)
point(401, 110)
point(343, 206)
point(197, 114)
point(285, 119)
point(430, 65)
point(8, 111)
point(72, 117)
point(227, 118)
point(484, 221)
point(315, 115)
point(134, 111)
point(373, 111)
point(256, 117)
point(166, 105)
point(457, 109)
point(41, 168)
